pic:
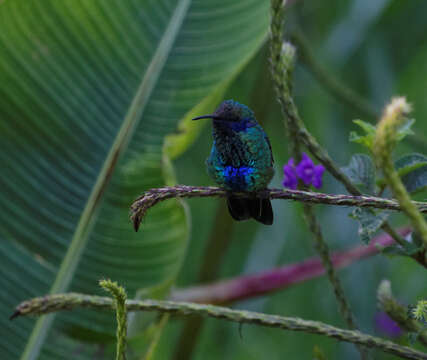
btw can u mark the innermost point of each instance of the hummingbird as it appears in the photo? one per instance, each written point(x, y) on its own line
point(241, 160)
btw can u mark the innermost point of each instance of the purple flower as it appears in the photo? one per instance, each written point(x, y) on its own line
point(387, 325)
point(290, 181)
point(305, 169)
point(309, 173)
point(317, 176)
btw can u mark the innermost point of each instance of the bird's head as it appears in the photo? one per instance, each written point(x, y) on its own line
point(230, 111)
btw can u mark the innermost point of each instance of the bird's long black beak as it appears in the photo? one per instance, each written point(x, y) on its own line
point(206, 117)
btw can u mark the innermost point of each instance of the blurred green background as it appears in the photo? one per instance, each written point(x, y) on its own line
point(69, 72)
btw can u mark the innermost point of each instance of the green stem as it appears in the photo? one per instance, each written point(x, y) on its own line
point(282, 65)
point(396, 237)
point(386, 138)
point(119, 295)
point(50, 303)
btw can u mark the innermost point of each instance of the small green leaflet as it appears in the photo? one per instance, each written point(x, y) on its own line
point(405, 129)
point(367, 139)
point(370, 132)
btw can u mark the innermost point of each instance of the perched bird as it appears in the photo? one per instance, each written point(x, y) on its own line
point(241, 160)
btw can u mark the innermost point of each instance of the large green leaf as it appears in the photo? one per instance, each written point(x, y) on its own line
point(88, 91)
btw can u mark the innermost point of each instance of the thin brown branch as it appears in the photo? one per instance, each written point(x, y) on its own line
point(151, 197)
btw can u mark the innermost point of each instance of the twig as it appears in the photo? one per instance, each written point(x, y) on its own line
point(151, 197)
point(50, 303)
point(280, 278)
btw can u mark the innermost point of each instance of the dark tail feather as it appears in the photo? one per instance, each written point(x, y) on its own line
point(238, 208)
point(243, 209)
point(261, 210)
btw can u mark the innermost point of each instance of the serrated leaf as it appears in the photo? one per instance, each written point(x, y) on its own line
point(89, 91)
point(416, 180)
point(369, 222)
point(361, 171)
point(410, 162)
point(406, 164)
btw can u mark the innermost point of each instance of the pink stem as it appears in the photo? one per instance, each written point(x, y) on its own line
point(244, 287)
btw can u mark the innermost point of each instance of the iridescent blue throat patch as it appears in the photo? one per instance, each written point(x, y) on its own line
point(237, 178)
